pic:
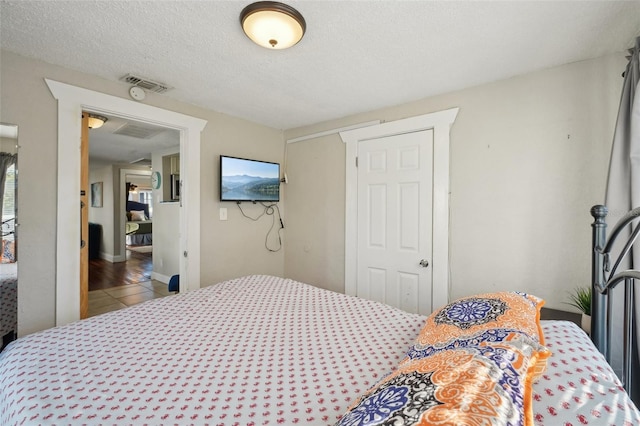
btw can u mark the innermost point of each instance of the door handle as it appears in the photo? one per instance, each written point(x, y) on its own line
point(424, 263)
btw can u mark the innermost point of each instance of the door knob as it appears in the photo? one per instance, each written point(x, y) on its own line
point(424, 263)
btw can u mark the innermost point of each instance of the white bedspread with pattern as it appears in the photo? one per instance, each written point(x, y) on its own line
point(8, 298)
point(257, 350)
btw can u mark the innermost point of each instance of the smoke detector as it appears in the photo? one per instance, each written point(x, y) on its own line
point(137, 93)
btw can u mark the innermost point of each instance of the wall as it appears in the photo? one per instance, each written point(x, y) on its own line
point(316, 211)
point(104, 215)
point(8, 145)
point(226, 253)
point(166, 253)
point(27, 102)
point(529, 157)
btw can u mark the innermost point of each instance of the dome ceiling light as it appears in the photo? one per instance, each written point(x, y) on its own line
point(96, 121)
point(272, 25)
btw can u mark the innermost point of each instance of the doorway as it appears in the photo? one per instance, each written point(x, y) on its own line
point(436, 126)
point(72, 101)
point(122, 153)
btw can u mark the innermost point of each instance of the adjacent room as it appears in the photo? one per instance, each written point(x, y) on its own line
point(320, 212)
point(123, 179)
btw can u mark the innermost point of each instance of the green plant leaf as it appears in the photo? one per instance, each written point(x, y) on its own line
point(580, 298)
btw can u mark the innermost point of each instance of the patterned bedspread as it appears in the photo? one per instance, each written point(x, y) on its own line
point(254, 350)
point(8, 298)
point(579, 387)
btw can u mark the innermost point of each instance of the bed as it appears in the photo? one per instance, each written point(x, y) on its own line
point(139, 227)
point(614, 290)
point(8, 302)
point(260, 350)
point(8, 284)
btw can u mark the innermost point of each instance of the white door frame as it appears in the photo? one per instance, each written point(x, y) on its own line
point(72, 101)
point(441, 123)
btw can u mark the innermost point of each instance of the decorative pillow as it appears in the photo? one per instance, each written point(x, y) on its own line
point(474, 362)
point(483, 385)
point(137, 215)
point(8, 254)
point(473, 316)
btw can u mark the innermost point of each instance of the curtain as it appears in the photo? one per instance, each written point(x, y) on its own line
point(6, 160)
point(623, 194)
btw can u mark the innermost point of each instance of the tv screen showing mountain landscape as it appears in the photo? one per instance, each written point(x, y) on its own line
point(249, 180)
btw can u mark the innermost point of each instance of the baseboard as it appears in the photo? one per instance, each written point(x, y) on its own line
point(111, 258)
point(159, 277)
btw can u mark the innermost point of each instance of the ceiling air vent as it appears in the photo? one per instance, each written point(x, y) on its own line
point(145, 83)
point(137, 131)
point(141, 161)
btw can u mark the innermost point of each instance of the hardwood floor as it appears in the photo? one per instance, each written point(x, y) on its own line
point(104, 275)
point(113, 286)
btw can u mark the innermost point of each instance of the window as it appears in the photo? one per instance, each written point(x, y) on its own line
point(145, 196)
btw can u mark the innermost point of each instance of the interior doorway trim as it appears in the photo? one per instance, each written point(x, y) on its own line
point(122, 210)
point(72, 101)
point(441, 123)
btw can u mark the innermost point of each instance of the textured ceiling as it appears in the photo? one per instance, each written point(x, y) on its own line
point(108, 146)
point(356, 55)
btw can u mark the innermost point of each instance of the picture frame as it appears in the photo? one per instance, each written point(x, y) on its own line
point(96, 194)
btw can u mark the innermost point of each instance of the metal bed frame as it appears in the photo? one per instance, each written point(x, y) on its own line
point(605, 277)
point(10, 228)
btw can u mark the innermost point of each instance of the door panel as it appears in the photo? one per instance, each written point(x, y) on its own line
point(84, 217)
point(377, 232)
point(395, 220)
point(409, 289)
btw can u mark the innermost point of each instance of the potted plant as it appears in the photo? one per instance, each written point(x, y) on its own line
point(581, 299)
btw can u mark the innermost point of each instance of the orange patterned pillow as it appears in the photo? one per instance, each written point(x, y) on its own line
point(8, 253)
point(483, 385)
point(474, 362)
point(474, 315)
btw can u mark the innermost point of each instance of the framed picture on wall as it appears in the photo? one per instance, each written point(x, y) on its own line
point(96, 194)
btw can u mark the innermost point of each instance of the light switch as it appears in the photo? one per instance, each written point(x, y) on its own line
point(223, 213)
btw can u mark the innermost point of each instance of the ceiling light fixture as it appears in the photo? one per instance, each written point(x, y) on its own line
point(96, 121)
point(272, 24)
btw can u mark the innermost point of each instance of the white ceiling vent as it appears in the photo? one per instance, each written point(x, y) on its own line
point(145, 83)
point(138, 132)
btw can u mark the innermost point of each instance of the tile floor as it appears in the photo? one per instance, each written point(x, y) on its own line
point(112, 299)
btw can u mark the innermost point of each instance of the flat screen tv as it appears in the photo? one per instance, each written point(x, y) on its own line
point(242, 179)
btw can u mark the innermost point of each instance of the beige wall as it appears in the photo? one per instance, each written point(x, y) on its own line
point(529, 157)
point(104, 215)
point(27, 102)
point(225, 253)
point(166, 216)
point(8, 145)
